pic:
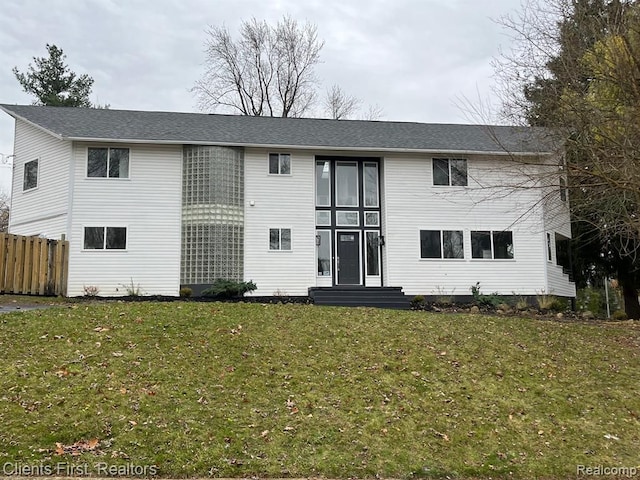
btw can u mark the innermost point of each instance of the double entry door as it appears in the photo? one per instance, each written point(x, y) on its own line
point(348, 220)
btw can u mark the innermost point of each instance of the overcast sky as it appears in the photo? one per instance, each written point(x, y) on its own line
point(416, 59)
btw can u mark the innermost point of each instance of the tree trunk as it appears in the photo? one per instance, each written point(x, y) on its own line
point(630, 294)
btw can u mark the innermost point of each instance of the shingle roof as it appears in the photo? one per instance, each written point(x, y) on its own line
point(197, 128)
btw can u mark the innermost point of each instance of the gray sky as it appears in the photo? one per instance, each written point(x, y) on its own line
point(416, 59)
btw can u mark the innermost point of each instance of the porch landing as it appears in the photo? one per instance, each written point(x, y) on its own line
point(358, 296)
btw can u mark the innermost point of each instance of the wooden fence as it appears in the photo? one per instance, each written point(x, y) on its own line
point(33, 265)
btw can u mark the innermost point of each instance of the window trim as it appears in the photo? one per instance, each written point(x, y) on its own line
point(442, 257)
point(279, 172)
point(350, 163)
point(315, 174)
point(367, 224)
point(366, 254)
point(364, 184)
point(450, 176)
point(318, 232)
point(107, 177)
point(492, 233)
point(104, 241)
point(342, 224)
point(280, 249)
point(24, 173)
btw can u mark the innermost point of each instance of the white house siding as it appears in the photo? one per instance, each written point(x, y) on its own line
point(148, 203)
point(41, 210)
point(412, 204)
point(556, 220)
point(279, 201)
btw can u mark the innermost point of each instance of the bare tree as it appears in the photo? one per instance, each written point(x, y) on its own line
point(339, 105)
point(5, 205)
point(267, 71)
point(373, 112)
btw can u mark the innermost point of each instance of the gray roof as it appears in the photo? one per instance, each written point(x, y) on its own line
point(197, 128)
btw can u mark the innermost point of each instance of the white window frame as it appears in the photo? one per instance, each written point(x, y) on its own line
point(107, 177)
point(280, 156)
point(493, 247)
point(24, 174)
point(367, 224)
point(324, 162)
point(366, 260)
point(339, 224)
point(350, 163)
point(323, 224)
point(442, 257)
point(280, 249)
point(104, 240)
point(449, 168)
point(330, 255)
point(364, 184)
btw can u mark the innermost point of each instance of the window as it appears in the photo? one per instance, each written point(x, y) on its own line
point(371, 219)
point(323, 184)
point(105, 238)
point(323, 218)
point(280, 239)
point(30, 175)
point(347, 219)
point(448, 171)
point(549, 257)
point(441, 244)
point(280, 164)
point(108, 163)
point(373, 253)
point(370, 184)
point(563, 189)
point(323, 252)
point(497, 245)
point(346, 184)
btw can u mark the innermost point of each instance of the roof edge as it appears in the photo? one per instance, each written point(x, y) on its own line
point(307, 147)
point(29, 122)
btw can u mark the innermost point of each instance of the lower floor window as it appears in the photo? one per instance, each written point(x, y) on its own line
point(280, 239)
point(486, 244)
point(373, 253)
point(323, 252)
point(105, 238)
point(441, 244)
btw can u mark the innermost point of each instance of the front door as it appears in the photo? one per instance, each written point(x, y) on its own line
point(348, 258)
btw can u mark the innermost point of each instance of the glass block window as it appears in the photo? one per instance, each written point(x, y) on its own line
point(212, 214)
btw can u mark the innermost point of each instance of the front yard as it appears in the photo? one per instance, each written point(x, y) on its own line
point(241, 390)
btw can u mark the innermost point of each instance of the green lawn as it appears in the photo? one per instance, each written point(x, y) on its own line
point(218, 389)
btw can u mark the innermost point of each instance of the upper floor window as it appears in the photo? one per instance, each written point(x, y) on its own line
point(108, 163)
point(280, 164)
point(441, 244)
point(485, 244)
point(450, 171)
point(30, 175)
point(563, 189)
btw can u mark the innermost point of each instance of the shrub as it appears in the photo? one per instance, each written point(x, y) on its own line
point(417, 302)
point(91, 291)
point(229, 288)
point(619, 315)
point(185, 292)
point(551, 303)
point(132, 289)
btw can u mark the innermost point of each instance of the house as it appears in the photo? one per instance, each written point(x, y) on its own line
point(162, 200)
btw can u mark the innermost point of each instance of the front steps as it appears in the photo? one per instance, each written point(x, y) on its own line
point(358, 296)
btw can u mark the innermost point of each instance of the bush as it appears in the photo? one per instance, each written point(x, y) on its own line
point(417, 302)
point(185, 292)
point(619, 315)
point(229, 289)
point(551, 303)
